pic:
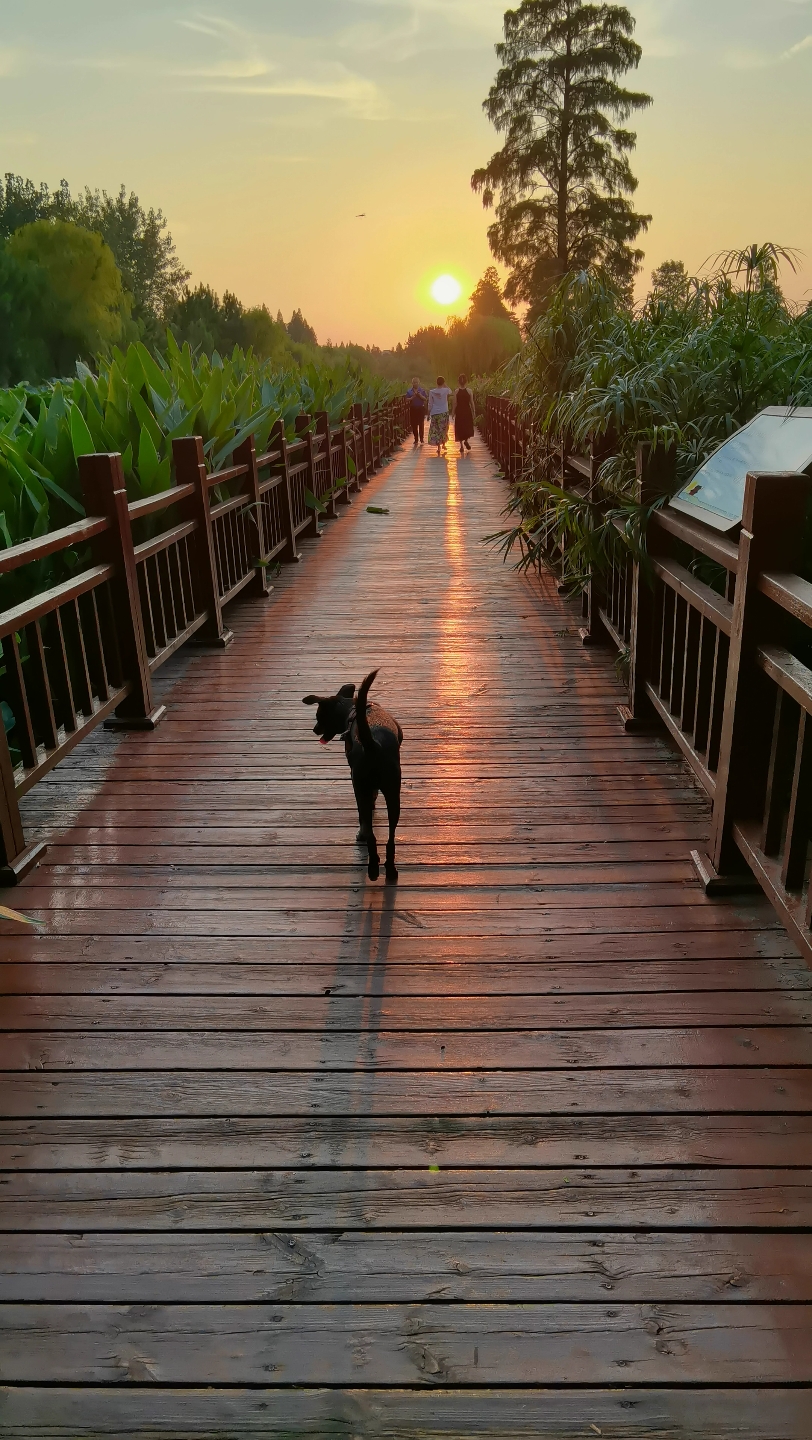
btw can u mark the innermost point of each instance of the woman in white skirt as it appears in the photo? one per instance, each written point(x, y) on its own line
point(439, 413)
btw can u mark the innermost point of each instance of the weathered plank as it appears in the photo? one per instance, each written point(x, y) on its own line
point(442, 1345)
point(141, 1413)
point(448, 1141)
point(430, 1198)
point(336, 1268)
point(426, 1092)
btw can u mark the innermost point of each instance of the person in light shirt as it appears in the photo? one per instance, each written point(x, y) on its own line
point(439, 415)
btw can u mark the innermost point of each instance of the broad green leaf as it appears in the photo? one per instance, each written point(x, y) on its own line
point(80, 435)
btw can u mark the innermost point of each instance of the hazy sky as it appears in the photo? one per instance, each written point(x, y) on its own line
point(262, 128)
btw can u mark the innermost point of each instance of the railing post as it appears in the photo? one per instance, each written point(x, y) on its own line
point(771, 539)
point(246, 454)
point(656, 476)
point(278, 442)
point(16, 858)
point(105, 493)
point(359, 445)
point(190, 468)
point(304, 431)
point(325, 430)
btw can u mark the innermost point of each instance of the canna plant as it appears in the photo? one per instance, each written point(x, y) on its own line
point(137, 404)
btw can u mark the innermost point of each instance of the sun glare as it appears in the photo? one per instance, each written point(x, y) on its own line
point(446, 290)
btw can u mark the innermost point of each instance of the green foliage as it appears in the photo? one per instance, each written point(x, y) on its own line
point(687, 369)
point(480, 345)
point(73, 300)
point(142, 247)
point(561, 182)
point(137, 404)
point(299, 330)
point(487, 297)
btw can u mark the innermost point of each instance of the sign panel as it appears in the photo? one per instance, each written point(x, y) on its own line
point(779, 439)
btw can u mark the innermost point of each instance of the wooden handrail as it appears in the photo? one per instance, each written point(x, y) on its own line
point(30, 550)
point(699, 595)
point(174, 495)
point(162, 542)
point(789, 673)
point(707, 542)
point(790, 592)
point(27, 611)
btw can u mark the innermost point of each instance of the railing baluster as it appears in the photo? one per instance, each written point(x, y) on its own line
point(190, 468)
point(105, 493)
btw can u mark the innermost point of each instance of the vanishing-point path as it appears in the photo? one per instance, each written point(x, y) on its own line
point(514, 1149)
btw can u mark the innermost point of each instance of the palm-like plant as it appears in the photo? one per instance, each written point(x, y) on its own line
point(683, 372)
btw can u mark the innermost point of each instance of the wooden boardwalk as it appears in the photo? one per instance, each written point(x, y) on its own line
point(520, 1147)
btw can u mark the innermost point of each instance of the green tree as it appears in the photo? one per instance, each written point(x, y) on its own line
point(669, 283)
point(143, 248)
point(22, 202)
point(299, 330)
point(487, 297)
point(81, 305)
point(562, 180)
point(23, 291)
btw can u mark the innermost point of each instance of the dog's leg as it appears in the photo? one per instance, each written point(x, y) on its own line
point(393, 809)
point(366, 813)
point(366, 835)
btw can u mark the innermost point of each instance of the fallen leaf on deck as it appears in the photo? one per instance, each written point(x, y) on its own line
point(14, 915)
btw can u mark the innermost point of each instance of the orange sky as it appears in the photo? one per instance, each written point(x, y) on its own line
point(263, 129)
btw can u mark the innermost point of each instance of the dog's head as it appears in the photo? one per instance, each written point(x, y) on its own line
point(332, 712)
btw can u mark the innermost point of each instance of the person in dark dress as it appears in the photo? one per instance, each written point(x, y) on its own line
point(464, 415)
point(418, 400)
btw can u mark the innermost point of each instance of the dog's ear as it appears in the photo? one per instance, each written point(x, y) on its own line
point(311, 700)
point(347, 690)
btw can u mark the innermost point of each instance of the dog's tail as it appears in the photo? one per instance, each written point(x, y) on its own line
point(364, 733)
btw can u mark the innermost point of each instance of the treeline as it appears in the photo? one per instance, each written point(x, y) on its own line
point(81, 273)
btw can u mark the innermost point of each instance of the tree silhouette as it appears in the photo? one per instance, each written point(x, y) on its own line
point(487, 297)
point(561, 182)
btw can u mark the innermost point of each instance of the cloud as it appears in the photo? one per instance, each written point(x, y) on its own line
point(287, 67)
point(762, 60)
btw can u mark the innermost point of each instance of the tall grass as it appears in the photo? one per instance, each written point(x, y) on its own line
point(684, 371)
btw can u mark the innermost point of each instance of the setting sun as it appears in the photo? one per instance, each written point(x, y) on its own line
point(446, 290)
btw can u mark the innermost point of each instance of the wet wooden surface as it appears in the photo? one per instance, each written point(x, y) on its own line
point(520, 1147)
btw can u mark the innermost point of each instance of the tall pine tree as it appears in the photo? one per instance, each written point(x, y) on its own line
point(561, 182)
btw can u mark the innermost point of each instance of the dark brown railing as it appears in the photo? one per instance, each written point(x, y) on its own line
point(160, 571)
point(722, 663)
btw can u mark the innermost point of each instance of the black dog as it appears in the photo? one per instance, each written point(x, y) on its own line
point(372, 741)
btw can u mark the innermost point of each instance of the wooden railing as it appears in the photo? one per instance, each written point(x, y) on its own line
point(154, 574)
point(723, 662)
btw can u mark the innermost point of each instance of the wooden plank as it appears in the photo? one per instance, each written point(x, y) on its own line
point(143, 1413)
point(379, 1050)
point(769, 942)
point(408, 1345)
point(719, 1090)
point(488, 1141)
point(375, 1010)
point(325, 1268)
point(472, 924)
point(662, 984)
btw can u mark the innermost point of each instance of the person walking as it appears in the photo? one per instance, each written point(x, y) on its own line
point(418, 400)
point(438, 413)
point(464, 415)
